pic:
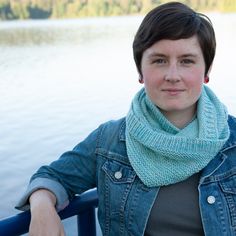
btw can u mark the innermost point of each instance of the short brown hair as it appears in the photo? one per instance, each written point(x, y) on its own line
point(173, 21)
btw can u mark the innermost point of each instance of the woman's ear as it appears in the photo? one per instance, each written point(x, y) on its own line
point(206, 78)
point(140, 80)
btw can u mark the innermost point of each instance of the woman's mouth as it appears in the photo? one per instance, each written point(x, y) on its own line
point(172, 91)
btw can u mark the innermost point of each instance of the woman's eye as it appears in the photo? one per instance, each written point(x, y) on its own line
point(187, 61)
point(160, 61)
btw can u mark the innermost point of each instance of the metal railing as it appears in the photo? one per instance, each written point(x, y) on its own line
point(82, 206)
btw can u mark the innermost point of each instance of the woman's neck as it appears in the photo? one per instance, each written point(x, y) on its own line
point(180, 119)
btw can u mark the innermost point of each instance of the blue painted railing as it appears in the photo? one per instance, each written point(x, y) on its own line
point(82, 206)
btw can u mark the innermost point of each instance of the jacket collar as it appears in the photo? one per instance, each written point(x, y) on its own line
point(222, 155)
point(231, 142)
point(122, 130)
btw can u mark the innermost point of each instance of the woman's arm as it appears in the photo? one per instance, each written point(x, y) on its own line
point(44, 218)
point(52, 186)
point(73, 173)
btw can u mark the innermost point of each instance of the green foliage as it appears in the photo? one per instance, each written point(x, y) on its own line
point(24, 9)
point(19, 9)
point(5, 10)
point(229, 6)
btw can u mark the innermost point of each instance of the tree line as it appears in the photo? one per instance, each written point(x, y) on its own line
point(43, 9)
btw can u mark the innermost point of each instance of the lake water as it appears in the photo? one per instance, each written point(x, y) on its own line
point(60, 79)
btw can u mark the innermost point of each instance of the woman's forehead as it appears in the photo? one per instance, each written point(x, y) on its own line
point(179, 46)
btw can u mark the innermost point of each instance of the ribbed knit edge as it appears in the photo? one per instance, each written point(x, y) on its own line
point(154, 140)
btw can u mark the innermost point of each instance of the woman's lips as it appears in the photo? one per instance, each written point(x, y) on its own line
point(173, 92)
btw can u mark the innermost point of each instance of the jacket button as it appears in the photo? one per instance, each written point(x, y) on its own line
point(211, 199)
point(118, 175)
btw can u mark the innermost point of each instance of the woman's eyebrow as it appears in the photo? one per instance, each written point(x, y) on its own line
point(188, 55)
point(156, 54)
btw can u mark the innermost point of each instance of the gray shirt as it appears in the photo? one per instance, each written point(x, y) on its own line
point(176, 210)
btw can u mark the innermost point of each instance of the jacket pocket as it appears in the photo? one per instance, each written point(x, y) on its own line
point(118, 173)
point(119, 179)
point(228, 187)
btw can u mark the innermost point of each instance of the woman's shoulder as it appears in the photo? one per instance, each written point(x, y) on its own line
point(112, 138)
point(115, 129)
point(232, 127)
point(232, 122)
point(115, 125)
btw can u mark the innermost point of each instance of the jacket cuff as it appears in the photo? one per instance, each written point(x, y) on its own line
point(42, 183)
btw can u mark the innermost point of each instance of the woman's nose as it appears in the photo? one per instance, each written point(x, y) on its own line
point(172, 74)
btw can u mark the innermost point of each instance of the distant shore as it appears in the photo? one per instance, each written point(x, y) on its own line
point(41, 9)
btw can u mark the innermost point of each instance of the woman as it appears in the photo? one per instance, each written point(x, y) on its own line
point(169, 166)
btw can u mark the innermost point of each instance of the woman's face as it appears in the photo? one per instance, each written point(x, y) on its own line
point(173, 75)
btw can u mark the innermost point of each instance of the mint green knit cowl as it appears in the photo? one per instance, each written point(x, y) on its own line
point(162, 154)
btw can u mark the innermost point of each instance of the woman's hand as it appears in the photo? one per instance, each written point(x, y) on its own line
point(44, 218)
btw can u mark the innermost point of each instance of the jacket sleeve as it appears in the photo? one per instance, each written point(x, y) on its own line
point(73, 173)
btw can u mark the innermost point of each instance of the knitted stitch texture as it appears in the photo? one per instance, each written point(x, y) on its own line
point(162, 154)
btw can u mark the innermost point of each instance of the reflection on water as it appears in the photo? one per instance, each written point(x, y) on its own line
point(61, 78)
point(25, 33)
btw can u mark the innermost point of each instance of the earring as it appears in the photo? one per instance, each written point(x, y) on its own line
point(140, 80)
point(206, 79)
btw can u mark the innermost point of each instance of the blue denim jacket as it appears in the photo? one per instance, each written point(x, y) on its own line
point(124, 201)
